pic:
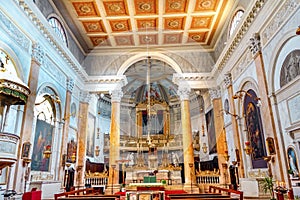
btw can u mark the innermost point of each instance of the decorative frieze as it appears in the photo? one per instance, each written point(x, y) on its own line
point(282, 15)
point(53, 69)
point(38, 53)
point(14, 32)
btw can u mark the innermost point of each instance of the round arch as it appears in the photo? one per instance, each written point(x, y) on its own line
point(154, 55)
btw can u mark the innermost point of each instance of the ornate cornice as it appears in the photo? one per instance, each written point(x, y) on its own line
point(49, 37)
point(241, 32)
point(192, 77)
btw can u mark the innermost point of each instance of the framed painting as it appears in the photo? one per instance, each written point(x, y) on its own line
point(25, 150)
point(271, 146)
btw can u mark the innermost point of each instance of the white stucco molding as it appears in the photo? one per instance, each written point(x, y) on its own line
point(144, 55)
point(97, 84)
point(195, 80)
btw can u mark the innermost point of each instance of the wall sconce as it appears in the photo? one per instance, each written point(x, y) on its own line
point(248, 149)
point(228, 113)
point(203, 132)
point(26, 161)
point(239, 94)
point(298, 31)
point(47, 151)
point(204, 148)
point(97, 151)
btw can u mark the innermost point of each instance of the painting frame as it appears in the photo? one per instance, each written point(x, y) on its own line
point(25, 150)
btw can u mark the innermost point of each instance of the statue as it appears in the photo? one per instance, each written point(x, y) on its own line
point(293, 166)
point(175, 159)
point(130, 157)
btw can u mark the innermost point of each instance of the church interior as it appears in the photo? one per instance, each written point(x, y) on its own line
point(140, 98)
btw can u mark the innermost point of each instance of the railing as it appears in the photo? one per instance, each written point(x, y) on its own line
point(215, 189)
point(96, 179)
point(208, 177)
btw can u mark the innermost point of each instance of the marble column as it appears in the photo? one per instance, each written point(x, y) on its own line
point(82, 137)
point(187, 137)
point(266, 108)
point(221, 141)
point(235, 128)
point(66, 118)
point(114, 147)
point(37, 60)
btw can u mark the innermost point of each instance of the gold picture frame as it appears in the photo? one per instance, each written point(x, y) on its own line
point(271, 146)
point(25, 150)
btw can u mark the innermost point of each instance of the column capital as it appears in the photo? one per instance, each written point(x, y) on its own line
point(116, 94)
point(84, 96)
point(255, 45)
point(70, 84)
point(215, 93)
point(38, 53)
point(184, 91)
point(228, 79)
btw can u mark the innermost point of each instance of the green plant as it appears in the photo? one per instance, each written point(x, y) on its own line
point(268, 186)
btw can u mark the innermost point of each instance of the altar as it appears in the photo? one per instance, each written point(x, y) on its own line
point(140, 176)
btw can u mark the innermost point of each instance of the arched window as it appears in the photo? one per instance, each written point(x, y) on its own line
point(58, 28)
point(235, 21)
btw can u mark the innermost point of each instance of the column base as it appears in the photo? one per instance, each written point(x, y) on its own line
point(191, 188)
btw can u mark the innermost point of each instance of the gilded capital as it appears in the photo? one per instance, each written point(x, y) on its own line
point(38, 53)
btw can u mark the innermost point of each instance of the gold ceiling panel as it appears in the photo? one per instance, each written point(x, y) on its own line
point(145, 7)
point(206, 5)
point(124, 23)
point(175, 6)
point(171, 38)
point(86, 9)
point(174, 23)
point(148, 39)
point(197, 37)
point(93, 26)
point(120, 25)
point(115, 8)
point(100, 41)
point(124, 40)
point(201, 22)
point(147, 24)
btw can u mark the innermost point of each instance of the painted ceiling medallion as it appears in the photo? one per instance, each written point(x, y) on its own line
point(145, 6)
point(92, 26)
point(197, 37)
point(171, 23)
point(114, 8)
point(172, 38)
point(200, 22)
point(148, 39)
point(100, 41)
point(146, 24)
point(175, 6)
point(205, 5)
point(85, 9)
point(119, 25)
point(124, 40)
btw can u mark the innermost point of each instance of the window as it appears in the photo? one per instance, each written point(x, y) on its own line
point(235, 21)
point(58, 28)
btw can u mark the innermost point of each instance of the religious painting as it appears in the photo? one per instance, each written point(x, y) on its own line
point(212, 144)
point(25, 150)
point(144, 196)
point(293, 162)
point(3, 176)
point(271, 146)
point(71, 151)
point(255, 130)
point(42, 139)
point(90, 136)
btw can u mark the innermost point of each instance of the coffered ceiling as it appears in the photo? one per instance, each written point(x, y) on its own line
point(108, 24)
